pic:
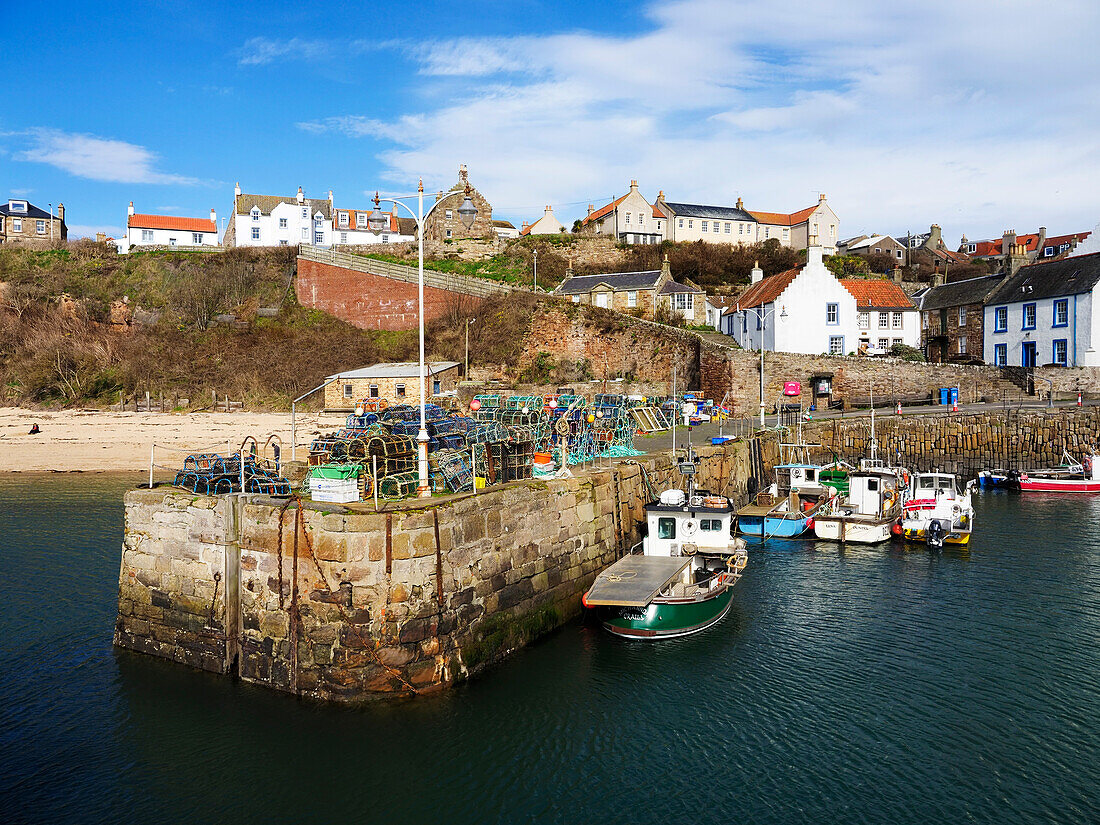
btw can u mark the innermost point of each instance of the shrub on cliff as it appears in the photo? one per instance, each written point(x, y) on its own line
point(906, 352)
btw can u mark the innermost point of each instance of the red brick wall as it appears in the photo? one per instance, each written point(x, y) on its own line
point(370, 301)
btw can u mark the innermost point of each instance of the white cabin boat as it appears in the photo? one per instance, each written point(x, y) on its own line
point(872, 506)
point(937, 510)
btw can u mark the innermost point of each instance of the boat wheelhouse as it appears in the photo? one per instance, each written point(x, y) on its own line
point(867, 513)
point(937, 510)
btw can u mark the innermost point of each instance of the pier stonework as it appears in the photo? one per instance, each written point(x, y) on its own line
point(354, 604)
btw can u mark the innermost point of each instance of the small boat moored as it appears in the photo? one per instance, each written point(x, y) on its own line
point(1071, 477)
point(937, 511)
point(867, 513)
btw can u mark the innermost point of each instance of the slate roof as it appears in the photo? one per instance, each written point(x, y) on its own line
point(767, 290)
point(618, 281)
point(674, 286)
point(32, 211)
point(1050, 279)
point(140, 221)
point(958, 293)
point(874, 293)
point(410, 369)
point(243, 204)
point(695, 210)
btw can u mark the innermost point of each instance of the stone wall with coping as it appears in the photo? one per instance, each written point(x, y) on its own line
point(371, 604)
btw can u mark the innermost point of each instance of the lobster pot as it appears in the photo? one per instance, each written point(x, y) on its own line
point(488, 401)
point(519, 402)
point(512, 460)
point(268, 486)
point(521, 418)
point(403, 412)
point(400, 485)
point(396, 454)
point(482, 415)
point(488, 432)
point(455, 470)
point(200, 461)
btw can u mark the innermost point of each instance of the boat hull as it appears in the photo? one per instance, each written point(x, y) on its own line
point(667, 619)
point(1059, 485)
point(918, 534)
point(768, 527)
point(851, 530)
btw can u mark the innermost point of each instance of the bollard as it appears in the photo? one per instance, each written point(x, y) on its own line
point(955, 405)
point(898, 410)
point(1078, 398)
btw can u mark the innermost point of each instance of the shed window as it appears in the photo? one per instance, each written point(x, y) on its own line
point(373, 391)
point(666, 528)
point(349, 389)
point(399, 390)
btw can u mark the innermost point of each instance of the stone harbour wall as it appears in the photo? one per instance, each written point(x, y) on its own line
point(353, 604)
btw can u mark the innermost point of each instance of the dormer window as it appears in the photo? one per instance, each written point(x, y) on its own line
point(360, 218)
point(255, 213)
point(343, 219)
point(17, 206)
point(318, 217)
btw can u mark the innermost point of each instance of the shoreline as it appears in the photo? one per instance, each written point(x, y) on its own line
point(92, 441)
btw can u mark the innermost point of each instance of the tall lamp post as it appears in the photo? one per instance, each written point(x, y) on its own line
point(763, 318)
point(535, 258)
point(468, 322)
point(376, 222)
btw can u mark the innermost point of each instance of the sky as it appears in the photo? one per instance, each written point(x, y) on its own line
point(980, 116)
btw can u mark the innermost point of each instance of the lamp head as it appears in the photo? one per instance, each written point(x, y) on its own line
point(467, 212)
point(376, 220)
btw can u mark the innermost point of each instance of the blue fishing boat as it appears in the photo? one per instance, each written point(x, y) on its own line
point(789, 514)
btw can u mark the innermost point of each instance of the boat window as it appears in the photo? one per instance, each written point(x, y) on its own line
point(872, 484)
point(666, 528)
point(943, 483)
point(811, 475)
point(710, 524)
point(927, 483)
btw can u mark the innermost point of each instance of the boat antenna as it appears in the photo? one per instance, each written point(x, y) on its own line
point(675, 410)
point(873, 444)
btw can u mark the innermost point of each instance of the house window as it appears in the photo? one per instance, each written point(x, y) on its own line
point(342, 219)
point(883, 320)
point(680, 221)
point(864, 320)
point(727, 228)
point(690, 222)
point(1060, 350)
point(17, 206)
point(196, 238)
point(282, 223)
point(348, 390)
point(832, 230)
point(740, 228)
point(836, 345)
point(962, 316)
point(16, 224)
point(437, 387)
point(1061, 312)
point(1000, 355)
point(360, 219)
point(962, 345)
point(318, 238)
point(284, 243)
point(576, 299)
point(255, 214)
point(171, 241)
point(1048, 251)
point(896, 342)
point(900, 254)
point(832, 313)
point(373, 391)
point(683, 301)
point(632, 298)
point(385, 239)
point(255, 233)
point(1029, 316)
point(658, 226)
point(147, 236)
point(40, 227)
point(448, 233)
point(305, 233)
point(399, 390)
point(1000, 319)
point(627, 218)
point(767, 231)
point(896, 320)
point(641, 219)
point(704, 226)
point(343, 237)
point(786, 234)
point(884, 344)
point(448, 214)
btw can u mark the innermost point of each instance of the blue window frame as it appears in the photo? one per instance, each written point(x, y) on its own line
point(1029, 316)
point(832, 314)
point(1061, 312)
point(1000, 355)
point(1061, 351)
point(1000, 319)
point(836, 345)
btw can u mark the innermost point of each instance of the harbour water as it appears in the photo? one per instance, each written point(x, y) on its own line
point(854, 685)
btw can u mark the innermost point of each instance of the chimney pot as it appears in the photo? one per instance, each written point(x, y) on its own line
point(214, 218)
point(130, 209)
point(740, 204)
point(757, 273)
point(591, 209)
point(237, 189)
point(821, 198)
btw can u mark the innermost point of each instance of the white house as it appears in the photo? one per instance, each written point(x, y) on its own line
point(885, 316)
point(1045, 314)
point(546, 225)
point(805, 309)
point(349, 228)
point(271, 220)
point(505, 229)
point(713, 224)
point(628, 219)
point(167, 230)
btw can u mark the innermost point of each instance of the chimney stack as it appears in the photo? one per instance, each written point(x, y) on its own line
point(237, 190)
point(814, 253)
point(1008, 240)
point(661, 196)
point(1016, 259)
point(895, 273)
point(130, 209)
point(214, 218)
point(821, 198)
point(61, 212)
point(634, 186)
point(548, 209)
point(666, 268)
point(591, 209)
point(757, 273)
point(301, 196)
point(740, 204)
point(569, 268)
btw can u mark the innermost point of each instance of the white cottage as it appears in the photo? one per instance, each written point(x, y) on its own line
point(805, 309)
point(628, 219)
point(271, 220)
point(349, 228)
point(1045, 314)
point(167, 230)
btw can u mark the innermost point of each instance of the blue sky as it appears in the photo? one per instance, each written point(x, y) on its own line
point(980, 116)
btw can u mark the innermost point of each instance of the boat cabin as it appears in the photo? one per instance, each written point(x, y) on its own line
point(802, 478)
point(934, 485)
point(683, 526)
point(871, 492)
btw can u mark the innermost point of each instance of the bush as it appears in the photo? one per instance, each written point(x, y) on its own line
point(906, 352)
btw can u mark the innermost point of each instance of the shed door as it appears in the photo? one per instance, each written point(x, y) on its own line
point(601, 299)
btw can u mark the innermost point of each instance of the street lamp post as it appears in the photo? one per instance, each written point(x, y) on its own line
point(468, 322)
point(535, 257)
point(376, 221)
point(763, 318)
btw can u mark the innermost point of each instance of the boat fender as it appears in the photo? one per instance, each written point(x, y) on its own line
point(690, 526)
point(905, 476)
point(896, 529)
point(890, 500)
point(810, 523)
point(956, 509)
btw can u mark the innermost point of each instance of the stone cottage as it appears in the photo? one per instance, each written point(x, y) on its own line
point(396, 383)
point(639, 293)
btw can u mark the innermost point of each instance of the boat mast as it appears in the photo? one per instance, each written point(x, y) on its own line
point(675, 409)
point(873, 444)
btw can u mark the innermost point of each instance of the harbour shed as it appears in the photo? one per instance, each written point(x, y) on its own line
point(397, 383)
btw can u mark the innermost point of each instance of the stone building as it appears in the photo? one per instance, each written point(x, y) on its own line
point(639, 293)
point(445, 224)
point(396, 383)
point(814, 224)
point(628, 219)
point(952, 318)
point(713, 224)
point(866, 245)
point(24, 224)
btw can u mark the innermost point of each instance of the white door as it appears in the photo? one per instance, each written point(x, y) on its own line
point(601, 299)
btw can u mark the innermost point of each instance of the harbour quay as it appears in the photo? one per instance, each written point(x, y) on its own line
point(342, 603)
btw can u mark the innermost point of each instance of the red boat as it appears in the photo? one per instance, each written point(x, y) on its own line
point(1073, 477)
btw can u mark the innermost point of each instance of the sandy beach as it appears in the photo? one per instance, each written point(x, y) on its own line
point(97, 441)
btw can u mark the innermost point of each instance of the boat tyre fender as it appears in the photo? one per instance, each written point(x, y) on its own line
point(690, 526)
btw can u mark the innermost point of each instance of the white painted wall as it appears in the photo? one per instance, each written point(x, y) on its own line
point(909, 333)
point(1081, 332)
point(288, 224)
point(135, 236)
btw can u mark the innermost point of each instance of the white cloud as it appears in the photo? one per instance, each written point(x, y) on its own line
point(82, 231)
point(259, 51)
point(96, 158)
point(975, 115)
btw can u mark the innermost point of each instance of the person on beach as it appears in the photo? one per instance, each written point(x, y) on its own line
point(34, 429)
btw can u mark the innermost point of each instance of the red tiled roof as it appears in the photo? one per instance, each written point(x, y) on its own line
point(1058, 240)
point(603, 210)
point(352, 219)
point(767, 290)
point(169, 222)
point(876, 293)
point(657, 213)
point(782, 219)
point(1030, 242)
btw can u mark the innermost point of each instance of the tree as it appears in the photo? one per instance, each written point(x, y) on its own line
point(845, 266)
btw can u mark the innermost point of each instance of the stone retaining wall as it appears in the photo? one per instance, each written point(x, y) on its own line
point(358, 604)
